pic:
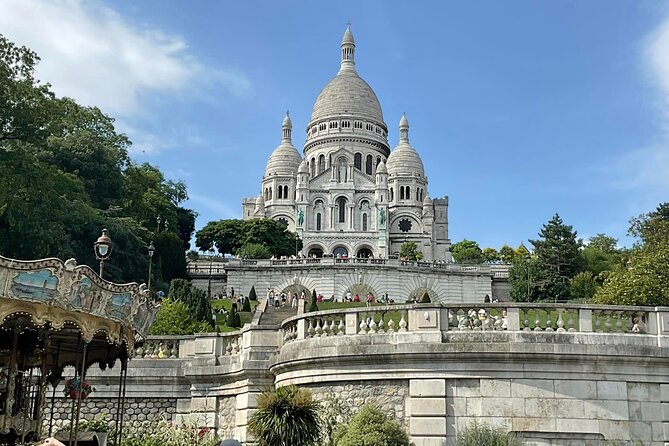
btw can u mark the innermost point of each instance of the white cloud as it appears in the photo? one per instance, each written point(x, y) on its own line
point(91, 53)
point(645, 171)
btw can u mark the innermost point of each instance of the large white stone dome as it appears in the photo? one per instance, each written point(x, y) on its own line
point(347, 94)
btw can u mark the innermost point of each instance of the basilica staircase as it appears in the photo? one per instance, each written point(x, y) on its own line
point(274, 316)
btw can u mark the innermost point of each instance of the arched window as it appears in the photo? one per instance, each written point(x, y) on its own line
point(341, 209)
point(401, 192)
point(270, 193)
point(357, 161)
point(318, 221)
point(285, 192)
point(364, 222)
point(392, 194)
point(407, 194)
point(368, 165)
point(280, 192)
point(313, 167)
point(378, 160)
point(321, 164)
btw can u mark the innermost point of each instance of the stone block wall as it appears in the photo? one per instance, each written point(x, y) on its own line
point(390, 396)
point(227, 411)
point(139, 412)
point(558, 411)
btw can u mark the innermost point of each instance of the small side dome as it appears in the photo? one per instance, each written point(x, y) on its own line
point(260, 201)
point(381, 168)
point(304, 168)
point(404, 160)
point(285, 160)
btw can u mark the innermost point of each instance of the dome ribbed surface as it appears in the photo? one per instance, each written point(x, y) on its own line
point(404, 160)
point(347, 94)
point(284, 160)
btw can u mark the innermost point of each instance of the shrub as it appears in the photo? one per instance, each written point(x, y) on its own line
point(313, 306)
point(174, 318)
point(246, 306)
point(371, 427)
point(287, 416)
point(480, 434)
point(252, 293)
point(233, 319)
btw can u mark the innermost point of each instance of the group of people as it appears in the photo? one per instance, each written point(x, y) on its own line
point(283, 298)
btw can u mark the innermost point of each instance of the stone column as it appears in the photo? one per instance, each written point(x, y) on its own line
point(427, 411)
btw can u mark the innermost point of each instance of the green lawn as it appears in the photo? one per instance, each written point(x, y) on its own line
point(226, 304)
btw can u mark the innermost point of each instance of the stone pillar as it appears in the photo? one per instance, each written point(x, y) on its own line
point(427, 411)
point(247, 405)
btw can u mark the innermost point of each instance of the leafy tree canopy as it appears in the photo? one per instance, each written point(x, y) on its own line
point(230, 236)
point(409, 250)
point(645, 279)
point(174, 318)
point(195, 299)
point(66, 175)
point(467, 251)
point(557, 249)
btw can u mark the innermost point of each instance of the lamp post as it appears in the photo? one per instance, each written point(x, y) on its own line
point(152, 249)
point(158, 220)
point(103, 248)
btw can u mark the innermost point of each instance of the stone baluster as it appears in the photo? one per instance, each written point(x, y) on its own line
point(403, 323)
point(373, 326)
point(570, 321)
point(596, 315)
point(311, 331)
point(537, 320)
point(608, 322)
point(318, 329)
point(560, 321)
point(235, 345)
point(363, 326)
point(382, 325)
point(526, 320)
point(341, 328)
point(228, 347)
point(619, 322)
point(549, 320)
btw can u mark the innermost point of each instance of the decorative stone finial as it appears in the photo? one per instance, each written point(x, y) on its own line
point(348, 50)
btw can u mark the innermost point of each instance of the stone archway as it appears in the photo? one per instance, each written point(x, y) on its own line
point(296, 288)
point(315, 251)
point(340, 251)
point(364, 252)
point(419, 292)
point(361, 289)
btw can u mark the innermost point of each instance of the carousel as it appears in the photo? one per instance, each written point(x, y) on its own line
point(58, 317)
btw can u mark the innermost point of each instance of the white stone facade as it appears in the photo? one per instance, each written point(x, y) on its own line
point(350, 195)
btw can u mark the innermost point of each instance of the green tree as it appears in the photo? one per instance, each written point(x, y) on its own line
point(527, 280)
point(601, 255)
point(409, 250)
point(645, 280)
point(195, 300)
point(467, 251)
point(287, 416)
point(557, 249)
point(506, 254)
point(252, 293)
point(228, 236)
point(583, 286)
point(233, 320)
point(254, 251)
point(169, 256)
point(313, 303)
point(371, 427)
point(173, 318)
point(246, 306)
point(490, 255)
point(522, 252)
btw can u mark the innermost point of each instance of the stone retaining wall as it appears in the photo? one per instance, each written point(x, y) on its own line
point(138, 411)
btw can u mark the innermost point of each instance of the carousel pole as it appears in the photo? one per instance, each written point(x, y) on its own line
point(125, 379)
point(26, 395)
point(53, 394)
point(11, 382)
point(82, 376)
point(76, 375)
point(117, 418)
point(41, 388)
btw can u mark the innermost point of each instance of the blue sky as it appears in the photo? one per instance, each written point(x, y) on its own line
point(519, 109)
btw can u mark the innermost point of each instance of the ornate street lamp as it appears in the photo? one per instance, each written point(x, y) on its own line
point(158, 220)
point(152, 249)
point(103, 248)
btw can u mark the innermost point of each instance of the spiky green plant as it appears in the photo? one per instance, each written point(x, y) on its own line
point(287, 416)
